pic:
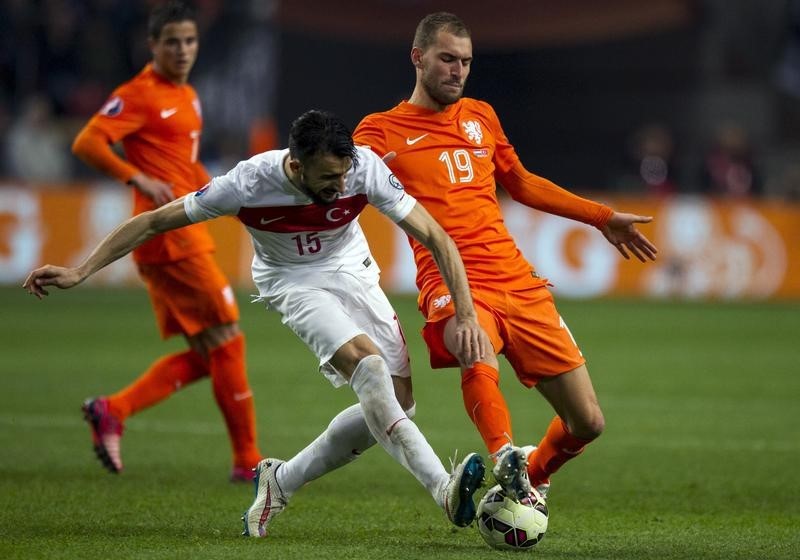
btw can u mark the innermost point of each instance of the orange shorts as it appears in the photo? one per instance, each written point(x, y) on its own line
point(522, 324)
point(189, 295)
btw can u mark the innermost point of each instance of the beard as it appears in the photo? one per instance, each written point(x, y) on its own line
point(321, 201)
point(436, 92)
point(315, 197)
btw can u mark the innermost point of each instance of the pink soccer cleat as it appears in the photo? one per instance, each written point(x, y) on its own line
point(106, 432)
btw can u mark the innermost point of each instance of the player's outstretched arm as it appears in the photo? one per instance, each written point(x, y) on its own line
point(124, 239)
point(622, 234)
point(472, 341)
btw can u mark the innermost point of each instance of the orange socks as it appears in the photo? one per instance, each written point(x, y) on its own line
point(556, 448)
point(235, 400)
point(485, 405)
point(161, 379)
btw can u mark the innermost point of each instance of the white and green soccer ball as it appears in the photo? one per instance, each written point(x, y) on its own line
point(509, 525)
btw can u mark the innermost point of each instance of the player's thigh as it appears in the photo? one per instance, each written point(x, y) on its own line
point(439, 329)
point(328, 310)
point(379, 320)
point(539, 344)
point(190, 296)
point(318, 317)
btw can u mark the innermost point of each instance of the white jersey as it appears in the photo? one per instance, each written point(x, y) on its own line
point(292, 233)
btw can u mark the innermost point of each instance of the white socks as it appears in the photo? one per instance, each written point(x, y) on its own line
point(350, 433)
point(346, 437)
point(387, 422)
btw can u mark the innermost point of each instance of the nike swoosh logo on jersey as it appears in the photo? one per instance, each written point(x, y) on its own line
point(265, 222)
point(167, 113)
point(412, 141)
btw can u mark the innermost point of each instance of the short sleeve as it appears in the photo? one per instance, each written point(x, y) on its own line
point(384, 190)
point(223, 195)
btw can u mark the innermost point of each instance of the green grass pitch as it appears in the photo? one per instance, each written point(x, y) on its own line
point(699, 458)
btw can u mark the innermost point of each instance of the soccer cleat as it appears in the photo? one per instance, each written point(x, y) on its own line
point(269, 500)
point(242, 474)
point(511, 472)
point(465, 479)
point(542, 487)
point(106, 432)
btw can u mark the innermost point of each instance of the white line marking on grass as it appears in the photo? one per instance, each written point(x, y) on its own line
point(50, 421)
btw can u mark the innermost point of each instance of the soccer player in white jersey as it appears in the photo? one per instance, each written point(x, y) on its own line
point(313, 266)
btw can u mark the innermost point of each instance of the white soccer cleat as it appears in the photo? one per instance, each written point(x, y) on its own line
point(466, 478)
point(269, 502)
point(544, 487)
point(511, 472)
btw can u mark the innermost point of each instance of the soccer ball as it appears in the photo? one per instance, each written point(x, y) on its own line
point(509, 525)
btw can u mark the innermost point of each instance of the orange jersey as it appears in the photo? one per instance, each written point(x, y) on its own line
point(450, 161)
point(159, 124)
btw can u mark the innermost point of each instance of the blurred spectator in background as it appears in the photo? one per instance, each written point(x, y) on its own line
point(787, 74)
point(37, 146)
point(650, 162)
point(729, 166)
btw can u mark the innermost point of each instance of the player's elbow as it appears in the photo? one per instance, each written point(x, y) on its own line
point(79, 146)
point(83, 144)
point(87, 143)
point(435, 240)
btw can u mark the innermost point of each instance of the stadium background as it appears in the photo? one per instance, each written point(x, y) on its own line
point(638, 104)
point(694, 357)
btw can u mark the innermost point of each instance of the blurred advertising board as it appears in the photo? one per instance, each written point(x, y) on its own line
point(708, 249)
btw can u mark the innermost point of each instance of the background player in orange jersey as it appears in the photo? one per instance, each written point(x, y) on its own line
point(157, 117)
point(451, 152)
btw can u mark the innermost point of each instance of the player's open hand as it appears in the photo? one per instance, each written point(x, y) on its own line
point(472, 342)
point(622, 234)
point(50, 275)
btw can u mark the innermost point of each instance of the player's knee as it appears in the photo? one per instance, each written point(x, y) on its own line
point(351, 354)
point(478, 375)
point(591, 428)
point(211, 338)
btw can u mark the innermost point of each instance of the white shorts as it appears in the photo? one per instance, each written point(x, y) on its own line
point(327, 309)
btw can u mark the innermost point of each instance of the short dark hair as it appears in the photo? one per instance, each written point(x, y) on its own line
point(320, 132)
point(431, 24)
point(169, 12)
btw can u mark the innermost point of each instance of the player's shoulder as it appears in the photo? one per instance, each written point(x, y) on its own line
point(367, 161)
point(479, 106)
point(140, 87)
point(365, 153)
point(264, 163)
point(376, 117)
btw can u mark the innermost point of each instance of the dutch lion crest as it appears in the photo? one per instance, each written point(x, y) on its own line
point(473, 131)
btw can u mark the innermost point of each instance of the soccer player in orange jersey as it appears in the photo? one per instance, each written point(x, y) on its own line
point(451, 152)
point(157, 117)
